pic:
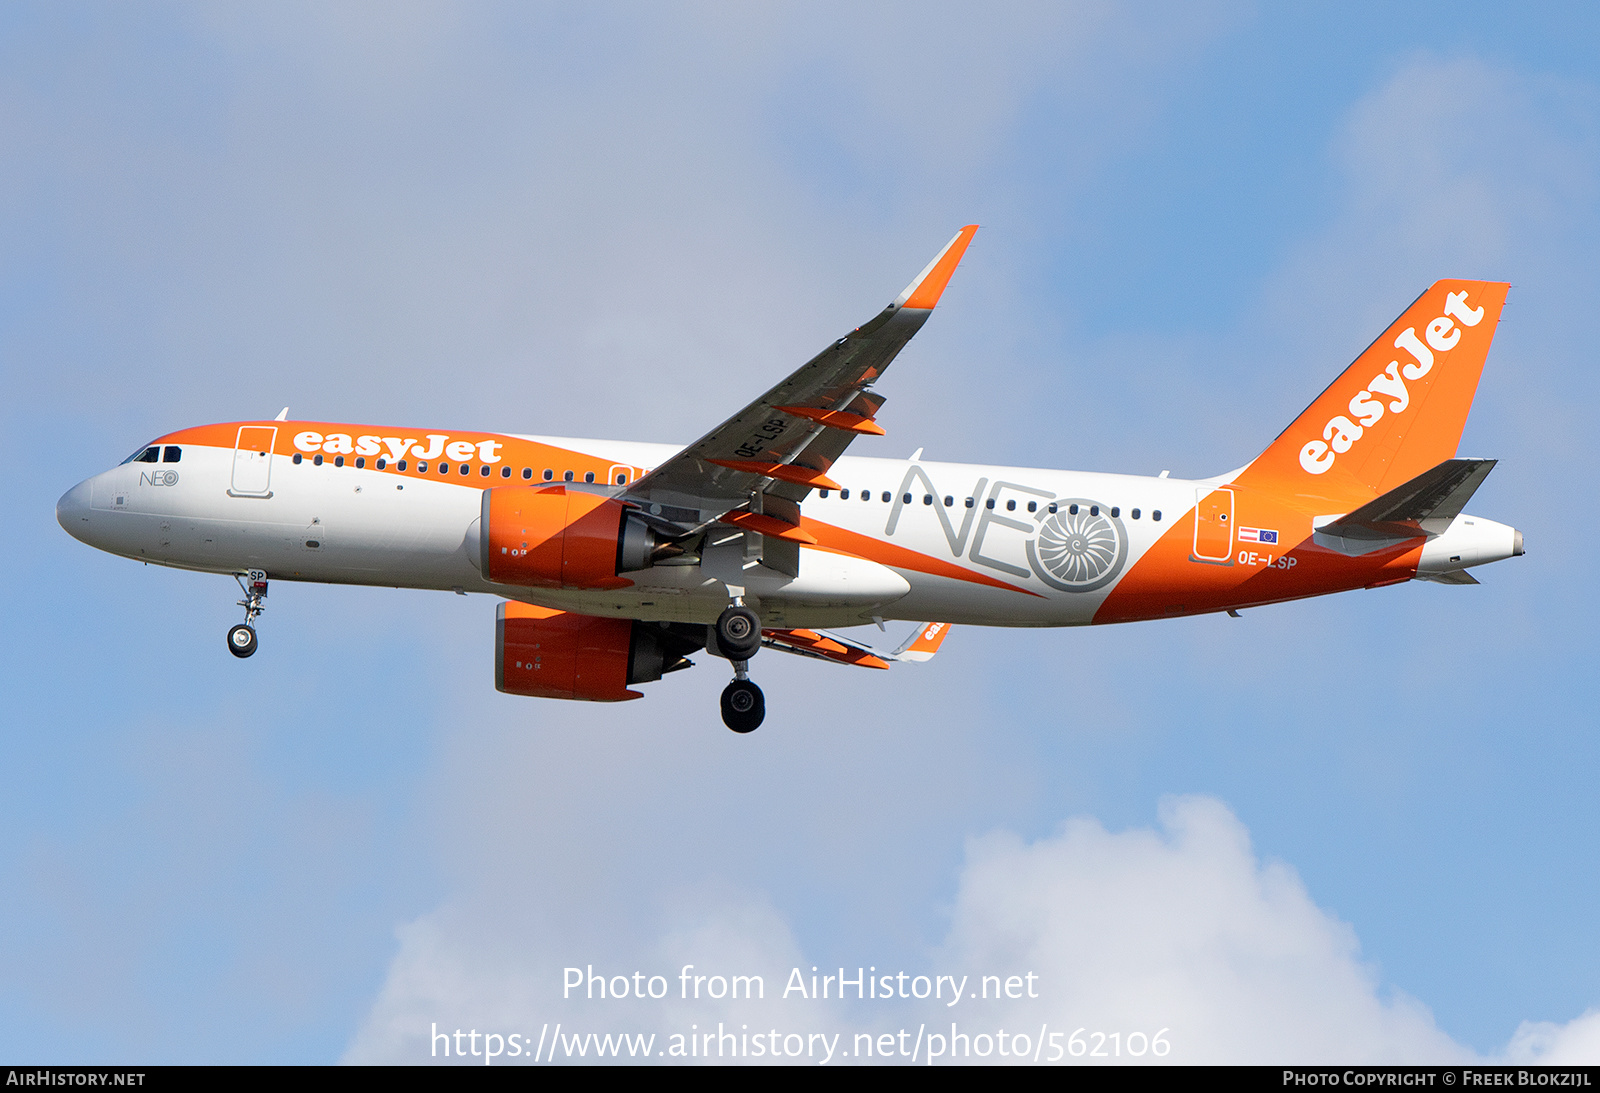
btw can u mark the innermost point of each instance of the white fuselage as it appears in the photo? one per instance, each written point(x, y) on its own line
point(1000, 536)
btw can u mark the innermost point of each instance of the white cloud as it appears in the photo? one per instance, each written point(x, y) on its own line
point(1575, 1043)
point(1181, 930)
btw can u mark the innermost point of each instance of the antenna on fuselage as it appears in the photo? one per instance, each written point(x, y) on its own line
point(283, 415)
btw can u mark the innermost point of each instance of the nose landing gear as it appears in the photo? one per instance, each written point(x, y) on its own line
point(242, 638)
point(737, 634)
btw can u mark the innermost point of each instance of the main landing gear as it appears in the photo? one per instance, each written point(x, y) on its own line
point(737, 634)
point(242, 638)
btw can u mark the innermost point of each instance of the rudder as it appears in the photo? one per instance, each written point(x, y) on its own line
point(1399, 409)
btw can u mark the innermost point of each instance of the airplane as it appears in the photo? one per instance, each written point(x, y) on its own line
point(616, 560)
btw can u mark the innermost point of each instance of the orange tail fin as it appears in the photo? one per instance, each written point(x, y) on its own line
point(1399, 409)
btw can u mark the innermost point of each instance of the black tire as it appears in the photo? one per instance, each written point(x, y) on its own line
point(242, 640)
point(738, 633)
point(743, 706)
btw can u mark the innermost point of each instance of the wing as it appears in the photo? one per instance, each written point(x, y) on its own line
point(923, 643)
point(754, 469)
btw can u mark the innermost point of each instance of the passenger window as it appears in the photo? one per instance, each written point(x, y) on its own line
point(588, 476)
point(1155, 515)
point(927, 499)
point(549, 474)
point(1134, 514)
point(382, 463)
point(527, 473)
point(1094, 510)
point(298, 457)
point(989, 504)
point(1072, 510)
point(401, 465)
point(566, 476)
point(969, 502)
point(318, 460)
point(1115, 512)
point(466, 468)
point(483, 472)
point(1052, 507)
point(505, 472)
point(844, 495)
point(1011, 506)
point(887, 497)
point(907, 499)
point(171, 454)
point(949, 501)
point(444, 468)
point(422, 466)
point(622, 479)
point(338, 461)
point(361, 462)
point(1033, 506)
point(822, 493)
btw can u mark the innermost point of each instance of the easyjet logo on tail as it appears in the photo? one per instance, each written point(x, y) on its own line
point(1387, 391)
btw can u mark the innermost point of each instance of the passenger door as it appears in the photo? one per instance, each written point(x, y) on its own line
point(1213, 525)
point(252, 461)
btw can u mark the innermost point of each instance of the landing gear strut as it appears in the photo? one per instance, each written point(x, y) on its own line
point(242, 638)
point(738, 637)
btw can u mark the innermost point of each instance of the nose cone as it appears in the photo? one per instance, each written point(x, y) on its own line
point(72, 511)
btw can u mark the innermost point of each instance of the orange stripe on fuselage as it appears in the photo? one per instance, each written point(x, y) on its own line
point(1167, 580)
point(508, 452)
point(841, 541)
point(518, 454)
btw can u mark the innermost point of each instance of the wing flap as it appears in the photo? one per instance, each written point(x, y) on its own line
point(812, 644)
point(923, 643)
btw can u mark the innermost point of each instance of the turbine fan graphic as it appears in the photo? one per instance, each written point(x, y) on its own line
point(1078, 551)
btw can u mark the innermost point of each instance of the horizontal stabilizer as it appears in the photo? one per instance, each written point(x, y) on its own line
point(1424, 506)
point(1449, 576)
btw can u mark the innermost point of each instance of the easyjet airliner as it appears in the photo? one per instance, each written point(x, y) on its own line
point(616, 560)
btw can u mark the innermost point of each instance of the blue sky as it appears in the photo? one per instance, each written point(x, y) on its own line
point(1356, 827)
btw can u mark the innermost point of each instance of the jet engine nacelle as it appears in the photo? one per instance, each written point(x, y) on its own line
point(559, 654)
point(555, 537)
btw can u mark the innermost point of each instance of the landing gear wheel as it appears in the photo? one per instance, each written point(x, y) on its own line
point(242, 640)
point(743, 706)
point(739, 633)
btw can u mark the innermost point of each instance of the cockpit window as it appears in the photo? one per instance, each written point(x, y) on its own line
point(149, 454)
point(171, 453)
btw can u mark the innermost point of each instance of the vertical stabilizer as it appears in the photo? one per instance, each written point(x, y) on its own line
point(1398, 410)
